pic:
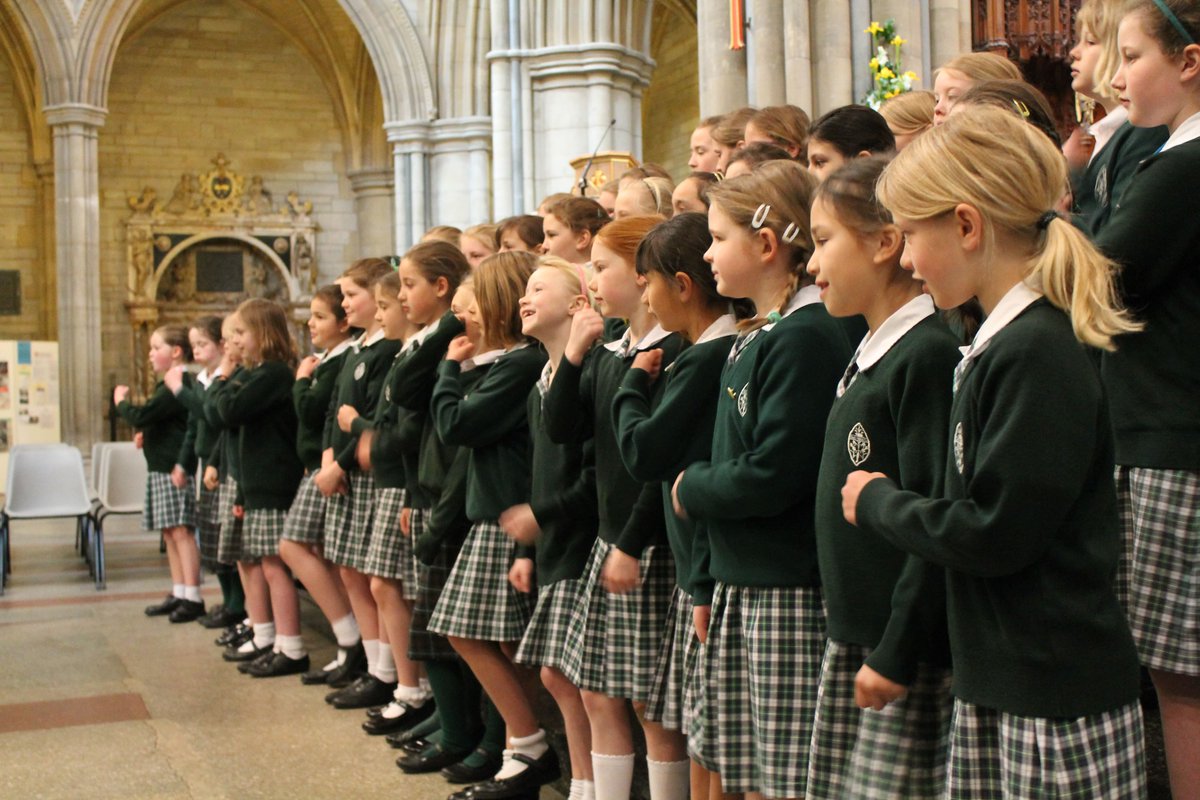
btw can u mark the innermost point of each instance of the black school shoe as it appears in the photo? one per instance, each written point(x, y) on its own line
point(165, 607)
point(187, 611)
point(277, 665)
point(365, 692)
point(378, 725)
point(537, 773)
point(235, 636)
point(350, 670)
point(245, 666)
point(462, 772)
point(221, 617)
point(232, 654)
point(431, 759)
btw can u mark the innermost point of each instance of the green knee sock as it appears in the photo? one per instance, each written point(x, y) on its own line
point(223, 579)
point(451, 695)
point(237, 595)
point(493, 737)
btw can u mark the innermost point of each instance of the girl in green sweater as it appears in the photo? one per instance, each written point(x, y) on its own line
point(1026, 525)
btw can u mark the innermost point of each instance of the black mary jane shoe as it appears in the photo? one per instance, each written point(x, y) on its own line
point(378, 725)
point(233, 655)
point(350, 670)
point(365, 692)
point(169, 604)
point(276, 666)
point(187, 611)
point(221, 617)
point(431, 759)
point(235, 636)
point(537, 773)
point(465, 773)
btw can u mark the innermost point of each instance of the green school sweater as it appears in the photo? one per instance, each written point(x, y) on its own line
point(201, 436)
point(579, 407)
point(163, 421)
point(1098, 187)
point(359, 384)
point(226, 456)
point(391, 432)
point(258, 402)
point(492, 422)
point(562, 494)
point(1027, 528)
point(661, 433)
point(756, 494)
point(442, 473)
point(892, 419)
point(310, 399)
point(1153, 378)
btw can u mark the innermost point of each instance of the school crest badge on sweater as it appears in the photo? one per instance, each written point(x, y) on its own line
point(858, 445)
point(958, 448)
point(359, 371)
point(743, 400)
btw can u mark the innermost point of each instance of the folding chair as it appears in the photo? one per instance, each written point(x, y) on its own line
point(97, 464)
point(122, 490)
point(44, 482)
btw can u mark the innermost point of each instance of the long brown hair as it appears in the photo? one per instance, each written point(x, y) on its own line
point(268, 323)
point(499, 282)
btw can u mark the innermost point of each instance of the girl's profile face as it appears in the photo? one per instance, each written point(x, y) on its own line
point(616, 286)
point(390, 315)
point(422, 299)
point(662, 298)
point(560, 241)
point(1084, 56)
point(948, 87)
point(823, 158)
point(509, 240)
point(246, 342)
point(932, 252)
point(705, 153)
point(358, 303)
point(232, 349)
point(686, 197)
point(467, 310)
point(204, 350)
point(547, 303)
point(1148, 81)
point(633, 198)
point(608, 201)
point(734, 255)
point(324, 326)
point(842, 264)
point(474, 250)
point(162, 355)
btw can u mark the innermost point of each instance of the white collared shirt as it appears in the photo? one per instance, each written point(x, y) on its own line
point(367, 341)
point(1016, 300)
point(724, 325)
point(1104, 130)
point(204, 379)
point(807, 296)
point(622, 346)
point(875, 346)
point(337, 350)
point(1189, 130)
point(483, 359)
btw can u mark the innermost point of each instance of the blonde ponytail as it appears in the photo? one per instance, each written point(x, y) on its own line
point(1011, 174)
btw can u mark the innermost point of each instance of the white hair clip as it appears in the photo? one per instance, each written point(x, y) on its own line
point(791, 232)
point(760, 216)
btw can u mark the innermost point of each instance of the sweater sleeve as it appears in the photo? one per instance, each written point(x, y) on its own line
point(1023, 476)
point(567, 408)
point(780, 466)
point(653, 443)
point(187, 451)
point(495, 407)
point(576, 501)
point(160, 406)
point(447, 522)
point(702, 581)
point(414, 381)
point(312, 402)
point(646, 522)
point(254, 393)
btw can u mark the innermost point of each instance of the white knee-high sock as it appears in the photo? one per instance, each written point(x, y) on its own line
point(613, 776)
point(385, 664)
point(371, 647)
point(345, 630)
point(669, 780)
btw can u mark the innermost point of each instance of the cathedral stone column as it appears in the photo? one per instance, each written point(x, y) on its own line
point(768, 87)
point(945, 34)
point(373, 209)
point(410, 143)
point(722, 71)
point(77, 223)
point(833, 74)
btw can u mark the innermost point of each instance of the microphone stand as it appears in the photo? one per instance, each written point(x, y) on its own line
point(587, 167)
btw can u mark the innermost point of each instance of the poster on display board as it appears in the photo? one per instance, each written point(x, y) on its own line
point(29, 399)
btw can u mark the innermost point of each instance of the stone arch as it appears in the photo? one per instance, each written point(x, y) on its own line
point(289, 280)
point(396, 49)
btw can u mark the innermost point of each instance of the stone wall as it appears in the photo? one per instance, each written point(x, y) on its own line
point(209, 77)
point(20, 222)
point(671, 104)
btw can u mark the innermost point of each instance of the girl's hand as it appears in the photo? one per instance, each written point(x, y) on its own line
point(239, 512)
point(306, 367)
point(620, 573)
point(173, 378)
point(228, 364)
point(138, 440)
point(330, 479)
point(178, 477)
point(1078, 148)
point(853, 487)
point(872, 690)
point(520, 524)
point(650, 362)
point(346, 415)
point(520, 575)
point(212, 478)
point(363, 452)
point(460, 349)
point(700, 617)
point(119, 394)
point(406, 521)
point(586, 327)
point(680, 511)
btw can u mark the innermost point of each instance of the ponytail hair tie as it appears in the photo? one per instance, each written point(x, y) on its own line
point(773, 317)
point(394, 262)
point(1045, 219)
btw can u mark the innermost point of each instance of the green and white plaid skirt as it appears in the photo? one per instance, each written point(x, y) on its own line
point(762, 666)
point(208, 525)
point(263, 529)
point(900, 751)
point(229, 547)
point(615, 638)
point(348, 523)
point(667, 704)
point(167, 506)
point(423, 644)
point(1001, 756)
point(477, 601)
point(306, 518)
point(545, 637)
point(1159, 576)
point(390, 554)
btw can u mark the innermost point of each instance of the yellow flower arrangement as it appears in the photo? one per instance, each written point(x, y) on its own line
point(888, 80)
